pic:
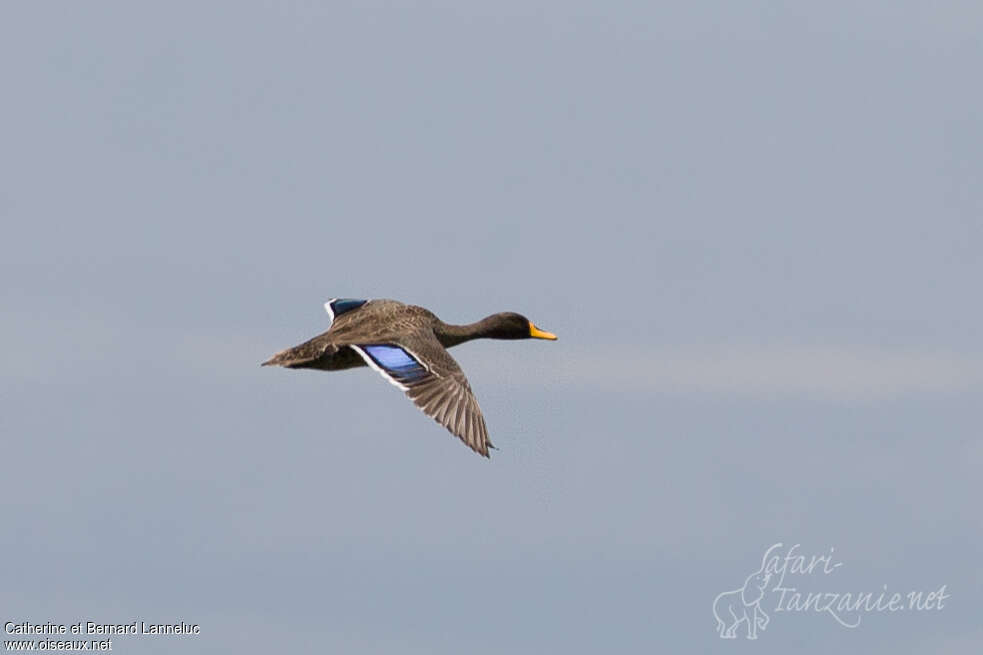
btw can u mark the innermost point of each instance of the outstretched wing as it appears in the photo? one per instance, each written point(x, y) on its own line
point(323, 352)
point(434, 382)
point(338, 306)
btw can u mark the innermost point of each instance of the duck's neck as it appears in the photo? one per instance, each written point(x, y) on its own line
point(451, 335)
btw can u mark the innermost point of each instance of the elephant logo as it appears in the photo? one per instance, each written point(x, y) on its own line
point(731, 608)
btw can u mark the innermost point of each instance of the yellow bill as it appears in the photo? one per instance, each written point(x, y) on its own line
point(536, 333)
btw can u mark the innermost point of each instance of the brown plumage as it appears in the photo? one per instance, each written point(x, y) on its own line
point(407, 345)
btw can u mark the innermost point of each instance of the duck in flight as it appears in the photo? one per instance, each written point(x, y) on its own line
point(408, 345)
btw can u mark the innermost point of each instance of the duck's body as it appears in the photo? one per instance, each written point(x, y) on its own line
point(407, 345)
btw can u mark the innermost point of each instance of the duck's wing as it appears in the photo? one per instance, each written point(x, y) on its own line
point(338, 306)
point(419, 365)
point(324, 351)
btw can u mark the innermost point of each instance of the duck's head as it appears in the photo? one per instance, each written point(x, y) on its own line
point(509, 325)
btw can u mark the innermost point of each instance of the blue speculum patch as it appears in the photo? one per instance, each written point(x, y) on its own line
point(342, 305)
point(396, 361)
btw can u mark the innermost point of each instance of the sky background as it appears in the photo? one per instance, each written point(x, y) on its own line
point(755, 227)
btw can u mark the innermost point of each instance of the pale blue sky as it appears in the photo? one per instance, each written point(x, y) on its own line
point(755, 227)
